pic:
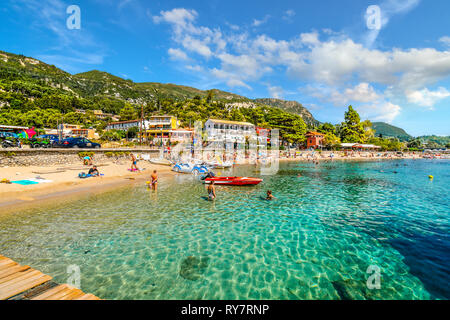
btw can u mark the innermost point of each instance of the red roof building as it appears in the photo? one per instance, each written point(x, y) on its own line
point(314, 139)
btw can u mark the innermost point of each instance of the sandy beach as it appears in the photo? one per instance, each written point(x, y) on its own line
point(63, 182)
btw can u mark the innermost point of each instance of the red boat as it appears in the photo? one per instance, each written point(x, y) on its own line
point(234, 181)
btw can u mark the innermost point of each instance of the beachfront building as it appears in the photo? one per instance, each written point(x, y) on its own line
point(125, 125)
point(314, 140)
point(229, 131)
point(12, 129)
point(99, 114)
point(263, 135)
point(181, 135)
point(85, 133)
point(359, 147)
point(161, 128)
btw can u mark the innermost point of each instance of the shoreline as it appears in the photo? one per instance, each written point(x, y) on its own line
point(66, 186)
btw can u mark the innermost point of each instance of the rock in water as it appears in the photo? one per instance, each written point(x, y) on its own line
point(192, 267)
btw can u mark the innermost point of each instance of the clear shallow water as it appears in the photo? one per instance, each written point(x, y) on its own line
point(315, 241)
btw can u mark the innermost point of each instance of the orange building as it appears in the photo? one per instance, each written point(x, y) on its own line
point(314, 139)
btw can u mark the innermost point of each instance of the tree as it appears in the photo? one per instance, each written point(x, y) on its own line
point(331, 140)
point(327, 128)
point(369, 132)
point(128, 113)
point(352, 130)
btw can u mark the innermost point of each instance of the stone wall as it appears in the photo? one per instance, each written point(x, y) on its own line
point(48, 157)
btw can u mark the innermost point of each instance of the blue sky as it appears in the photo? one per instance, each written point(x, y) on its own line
point(320, 53)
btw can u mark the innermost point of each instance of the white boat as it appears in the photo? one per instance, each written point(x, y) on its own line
point(163, 162)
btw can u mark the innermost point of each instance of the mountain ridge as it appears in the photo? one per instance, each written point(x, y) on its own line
point(96, 83)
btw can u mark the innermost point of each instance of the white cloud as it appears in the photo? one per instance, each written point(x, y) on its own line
point(338, 68)
point(177, 54)
point(445, 40)
point(384, 111)
point(276, 92)
point(427, 98)
point(257, 23)
point(288, 15)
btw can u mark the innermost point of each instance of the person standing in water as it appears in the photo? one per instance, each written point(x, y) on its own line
point(211, 191)
point(154, 182)
point(133, 163)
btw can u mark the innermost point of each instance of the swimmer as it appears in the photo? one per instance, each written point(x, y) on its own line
point(270, 196)
point(211, 191)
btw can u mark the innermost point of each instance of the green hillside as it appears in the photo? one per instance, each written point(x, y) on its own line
point(387, 130)
point(25, 82)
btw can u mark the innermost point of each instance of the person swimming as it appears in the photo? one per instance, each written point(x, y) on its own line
point(211, 191)
point(270, 196)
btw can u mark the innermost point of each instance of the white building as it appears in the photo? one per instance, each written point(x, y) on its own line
point(229, 131)
point(125, 125)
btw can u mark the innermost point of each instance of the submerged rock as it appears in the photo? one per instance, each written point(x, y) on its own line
point(192, 267)
point(352, 290)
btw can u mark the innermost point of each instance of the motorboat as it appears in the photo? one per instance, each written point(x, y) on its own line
point(234, 181)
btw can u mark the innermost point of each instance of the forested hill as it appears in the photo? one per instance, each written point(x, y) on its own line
point(26, 83)
point(290, 106)
point(387, 130)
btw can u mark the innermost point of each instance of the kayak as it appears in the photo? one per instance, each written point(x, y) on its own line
point(163, 162)
point(234, 181)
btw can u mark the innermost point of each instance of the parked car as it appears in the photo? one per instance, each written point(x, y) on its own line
point(190, 168)
point(40, 143)
point(11, 143)
point(77, 143)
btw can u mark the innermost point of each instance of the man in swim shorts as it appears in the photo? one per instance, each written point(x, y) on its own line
point(154, 182)
point(211, 191)
point(133, 163)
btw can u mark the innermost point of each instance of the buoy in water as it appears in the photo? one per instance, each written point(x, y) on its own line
point(430, 177)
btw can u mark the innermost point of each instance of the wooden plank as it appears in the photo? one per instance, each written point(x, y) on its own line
point(17, 275)
point(58, 295)
point(21, 287)
point(6, 261)
point(12, 270)
point(8, 264)
point(88, 296)
point(48, 293)
point(74, 294)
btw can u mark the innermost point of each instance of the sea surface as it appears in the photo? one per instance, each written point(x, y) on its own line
point(332, 230)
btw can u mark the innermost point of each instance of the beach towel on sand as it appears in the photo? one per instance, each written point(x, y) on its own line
point(24, 182)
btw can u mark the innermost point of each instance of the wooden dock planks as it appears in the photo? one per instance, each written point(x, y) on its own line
point(16, 279)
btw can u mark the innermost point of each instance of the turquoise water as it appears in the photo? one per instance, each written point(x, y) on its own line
point(315, 241)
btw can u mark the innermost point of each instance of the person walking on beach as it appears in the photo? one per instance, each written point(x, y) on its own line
point(211, 191)
point(133, 163)
point(154, 182)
